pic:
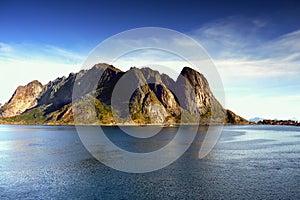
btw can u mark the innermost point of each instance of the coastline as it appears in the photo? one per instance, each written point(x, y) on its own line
point(143, 125)
point(119, 124)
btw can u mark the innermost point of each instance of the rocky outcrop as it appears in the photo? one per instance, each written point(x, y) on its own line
point(167, 98)
point(137, 101)
point(107, 82)
point(232, 118)
point(24, 98)
point(160, 85)
point(57, 93)
point(193, 92)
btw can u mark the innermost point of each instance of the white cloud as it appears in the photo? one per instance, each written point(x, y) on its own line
point(292, 57)
point(260, 75)
point(21, 72)
point(226, 37)
point(22, 63)
point(5, 48)
point(238, 49)
point(38, 51)
point(258, 69)
point(64, 53)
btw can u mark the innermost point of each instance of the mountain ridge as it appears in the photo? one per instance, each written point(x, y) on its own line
point(155, 99)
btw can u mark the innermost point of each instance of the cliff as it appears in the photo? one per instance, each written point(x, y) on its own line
point(24, 98)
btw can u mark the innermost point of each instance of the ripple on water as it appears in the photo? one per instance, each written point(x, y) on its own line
point(246, 164)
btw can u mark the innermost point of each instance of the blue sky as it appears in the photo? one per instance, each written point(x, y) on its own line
point(254, 45)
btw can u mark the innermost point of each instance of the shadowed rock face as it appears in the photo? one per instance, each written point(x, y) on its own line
point(24, 98)
point(193, 91)
point(235, 119)
point(167, 98)
point(58, 93)
point(143, 96)
point(194, 95)
point(144, 102)
point(159, 84)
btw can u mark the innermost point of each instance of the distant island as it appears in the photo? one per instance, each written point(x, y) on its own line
point(154, 102)
point(277, 122)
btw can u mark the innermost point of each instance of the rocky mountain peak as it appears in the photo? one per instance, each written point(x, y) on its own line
point(193, 92)
point(109, 74)
point(24, 98)
point(104, 66)
point(151, 76)
point(194, 77)
point(100, 66)
point(135, 76)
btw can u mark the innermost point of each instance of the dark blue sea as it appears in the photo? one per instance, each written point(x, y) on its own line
point(248, 162)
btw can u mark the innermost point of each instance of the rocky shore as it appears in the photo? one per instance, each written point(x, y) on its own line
point(278, 122)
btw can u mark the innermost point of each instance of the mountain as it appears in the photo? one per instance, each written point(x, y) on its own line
point(106, 95)
point(232, 118)
point(24, 98)
point(256, 119)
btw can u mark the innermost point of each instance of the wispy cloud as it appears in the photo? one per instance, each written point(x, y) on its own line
point(262, 68)
point(69, 55)
point(22, 63)
point(230, 36)
point(260, 71)
point(31, 51)
point(5, 48)
point(237, 46)
point(283, 46)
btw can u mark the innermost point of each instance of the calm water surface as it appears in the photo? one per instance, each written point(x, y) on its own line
point(249, 162)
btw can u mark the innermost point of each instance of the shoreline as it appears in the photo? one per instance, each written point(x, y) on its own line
point(146, 125)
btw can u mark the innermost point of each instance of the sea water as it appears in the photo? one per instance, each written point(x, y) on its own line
point(248, 162)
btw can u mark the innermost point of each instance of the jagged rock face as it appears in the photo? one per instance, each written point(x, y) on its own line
point(232, 118)
point(59, 92)
point(131, 82)
point(153, 109)
point(158, 84)
point(144, 104)
point(167, 98)
point(134, 91)
point(106, 84)
point(24, 98)
point(88, 80)
point(151, 76)
point(193, 92)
